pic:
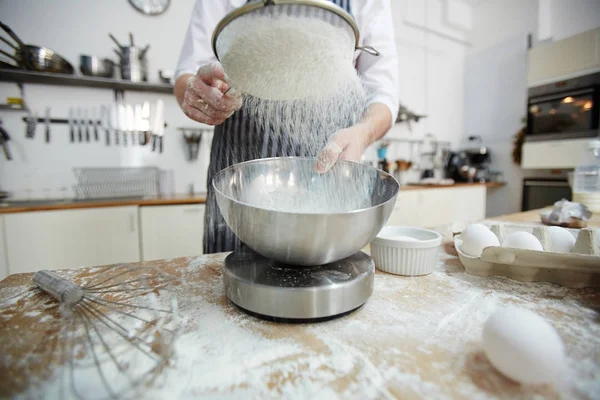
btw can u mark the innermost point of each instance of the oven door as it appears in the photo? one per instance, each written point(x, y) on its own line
point(569, 115)
point(540, 193)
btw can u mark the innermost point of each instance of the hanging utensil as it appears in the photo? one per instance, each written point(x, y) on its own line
point(95, 124)
point(105, 122)
point(79, 125)
point(87, 125)
point(47, 122)
point(159, 126)
point(71, 125)
point(114, 122)
point(31, 124)
point(123, 123)
point(145, 122)
point(131, 122)
point(4, 138)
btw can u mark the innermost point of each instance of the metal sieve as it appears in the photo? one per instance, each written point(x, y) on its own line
point(322, 9)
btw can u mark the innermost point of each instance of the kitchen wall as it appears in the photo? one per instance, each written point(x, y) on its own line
point(431, 46)
point(71, 28)
point(496, 75)
point(431, 51)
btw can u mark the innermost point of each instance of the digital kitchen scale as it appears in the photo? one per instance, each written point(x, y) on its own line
point(275, 291)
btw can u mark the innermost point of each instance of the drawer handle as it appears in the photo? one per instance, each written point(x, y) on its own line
point(191, 210)
point(132, 222)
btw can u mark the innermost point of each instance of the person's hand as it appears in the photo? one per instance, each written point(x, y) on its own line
point(346, 144)
point(204, 100)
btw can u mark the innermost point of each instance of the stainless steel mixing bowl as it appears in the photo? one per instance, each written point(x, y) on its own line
point(255, 198)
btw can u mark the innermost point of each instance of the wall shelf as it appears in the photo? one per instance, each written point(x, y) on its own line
point(21, 77)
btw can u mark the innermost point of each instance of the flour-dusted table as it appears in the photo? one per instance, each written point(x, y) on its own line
point(416, 338)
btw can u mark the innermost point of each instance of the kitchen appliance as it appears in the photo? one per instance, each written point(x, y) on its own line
point(95, 66)
point(301, 265)
point(544, 192)
point(469, 165)
point(35, 58)
point(567, 109)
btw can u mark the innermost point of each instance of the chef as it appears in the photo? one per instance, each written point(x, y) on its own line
point(200, 88)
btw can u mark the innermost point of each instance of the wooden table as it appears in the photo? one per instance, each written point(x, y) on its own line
point(415, 338)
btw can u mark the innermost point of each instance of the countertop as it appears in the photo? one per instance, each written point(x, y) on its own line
point(415, 338)
point(180, 199)
point(70, 204)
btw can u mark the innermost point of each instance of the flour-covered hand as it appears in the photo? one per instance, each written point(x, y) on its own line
point(346, 144)
point(205, 99)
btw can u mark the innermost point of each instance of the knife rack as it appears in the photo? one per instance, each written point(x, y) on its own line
point(40, 120)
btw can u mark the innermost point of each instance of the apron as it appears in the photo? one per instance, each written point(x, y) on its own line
point(236, 140)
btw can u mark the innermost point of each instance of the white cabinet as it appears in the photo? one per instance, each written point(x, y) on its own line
point(171, 231)
point(435, 207)
point(573, 56)
point(71, 238)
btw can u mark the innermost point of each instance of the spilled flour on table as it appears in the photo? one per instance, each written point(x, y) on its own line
point(415, 338)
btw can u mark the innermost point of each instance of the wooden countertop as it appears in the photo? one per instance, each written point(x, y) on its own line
point(488, 185)
point(416, 337)
point(8, 208)
point(78, 204)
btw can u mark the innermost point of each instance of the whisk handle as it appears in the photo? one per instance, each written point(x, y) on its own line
point(63, 290)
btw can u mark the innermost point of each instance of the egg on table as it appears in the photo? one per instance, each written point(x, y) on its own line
point(522, 240)
point(477, 237)
point(523, 346)
point(562, 240)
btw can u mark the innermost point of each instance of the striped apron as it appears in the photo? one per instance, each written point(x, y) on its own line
point(237, 140)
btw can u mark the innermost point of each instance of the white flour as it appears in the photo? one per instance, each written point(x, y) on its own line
point(286, 58)
point(415, 338)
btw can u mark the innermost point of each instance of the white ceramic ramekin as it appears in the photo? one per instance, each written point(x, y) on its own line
point(404, 250)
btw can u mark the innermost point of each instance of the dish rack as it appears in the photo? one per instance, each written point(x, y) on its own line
point(115, 182)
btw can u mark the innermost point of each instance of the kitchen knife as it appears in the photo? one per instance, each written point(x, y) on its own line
point(47, 122)
point(87, 125)
point(105, 122)
point(71, 125)
point(138, 123)
point(123, 123)
point(4, 138)
point(131, 122)
point(159, 128)
point(95, 124)
point(79, 125)
point(114, 122)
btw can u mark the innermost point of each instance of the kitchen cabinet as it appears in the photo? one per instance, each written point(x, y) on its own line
point(434, 207)
point(568, 57)
point(171, 231)
point(71, 238)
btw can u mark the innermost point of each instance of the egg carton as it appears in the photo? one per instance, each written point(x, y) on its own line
point(578, 269)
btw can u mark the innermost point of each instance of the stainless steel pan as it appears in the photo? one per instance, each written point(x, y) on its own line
point(35, 58)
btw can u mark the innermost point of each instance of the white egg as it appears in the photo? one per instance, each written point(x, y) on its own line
point(562, 240)
point(522, 240)
point(523, 346)
point(476, 238)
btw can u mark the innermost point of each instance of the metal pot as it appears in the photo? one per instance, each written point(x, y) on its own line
point(36, 58)
point(244, 190)
point(134, 66)
point(94, 66)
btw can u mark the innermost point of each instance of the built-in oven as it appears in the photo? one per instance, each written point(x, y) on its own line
point(566, 109)
point(544, 192)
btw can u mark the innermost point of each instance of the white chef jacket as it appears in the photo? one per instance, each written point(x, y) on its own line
point(373, 17)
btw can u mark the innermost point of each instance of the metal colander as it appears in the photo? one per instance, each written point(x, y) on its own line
point(322, 9)
point(254, 28)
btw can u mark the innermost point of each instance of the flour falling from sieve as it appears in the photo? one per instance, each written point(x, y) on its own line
point(300, 88)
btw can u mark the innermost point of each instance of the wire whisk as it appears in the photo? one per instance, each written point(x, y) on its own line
point(106, 339)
